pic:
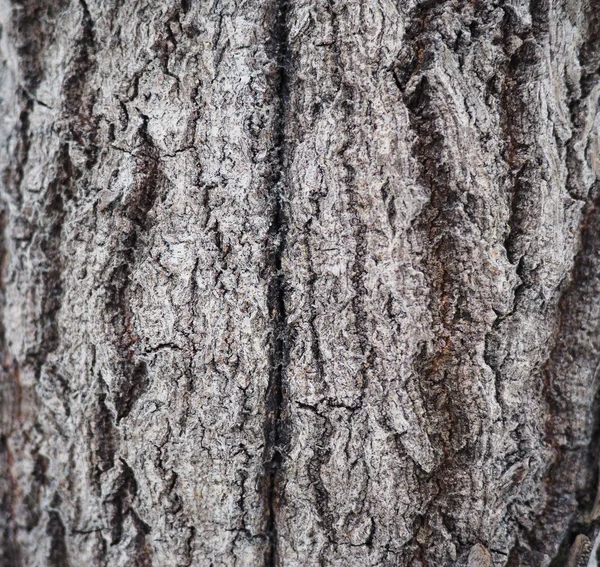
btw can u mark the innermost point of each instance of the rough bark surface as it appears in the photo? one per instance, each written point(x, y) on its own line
point(299, 282)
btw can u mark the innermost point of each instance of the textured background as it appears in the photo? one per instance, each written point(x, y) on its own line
point(298, 282)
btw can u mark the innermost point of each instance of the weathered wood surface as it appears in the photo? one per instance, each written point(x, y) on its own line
point(299, 283)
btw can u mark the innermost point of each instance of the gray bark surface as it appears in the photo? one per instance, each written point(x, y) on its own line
point(295, 283)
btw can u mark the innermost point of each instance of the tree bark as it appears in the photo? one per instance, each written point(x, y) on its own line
point(295, 283)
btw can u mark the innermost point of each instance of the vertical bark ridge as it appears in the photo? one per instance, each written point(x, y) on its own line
point(31, 35)
point(564, 500)
point(571, 378)
point(525, 66)
point(524, 30)
point(13, 174)
point(460, 395)
point(34, 218)
point(57, 193)
point(518, 65)
point(150, 184)
point(571, 370)
point(345, 455)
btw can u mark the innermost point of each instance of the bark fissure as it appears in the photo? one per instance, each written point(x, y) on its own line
point(52, 286)
point(311, 281)
point(60, 190)
point(10, 388)
point(58, 556)
point(524, 66)
point(13, 175)
point(134, 380)
point(275, 435)
point(10, 552)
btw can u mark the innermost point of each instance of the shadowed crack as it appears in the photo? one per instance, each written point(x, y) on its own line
point(55, 529)
point(275, 437)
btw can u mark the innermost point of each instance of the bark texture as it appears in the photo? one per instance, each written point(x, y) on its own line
point(299, 282)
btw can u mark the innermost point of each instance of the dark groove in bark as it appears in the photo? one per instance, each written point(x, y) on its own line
point(31, 501)
point(134, 379)
point(519, 68)
point(143, 554)
point(10, 401)
point(589, 59)
point(10, 387)
point(522, 68)
point(13, 175)
point(58, 191)
point(10, 552)
point(121, 499)
point(32, 21)
point(55, 529)
point(312, 279)
point(315, 466)
point(274, 429)
point(443, 408)
point(78, 108)
point(510, 108)
point(61, 188)
point(412, 60)
point(358, 266)
point(103, 432)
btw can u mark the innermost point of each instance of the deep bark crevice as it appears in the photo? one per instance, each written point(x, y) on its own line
point(58, 556)
point(150, 182)
point(13, 175)
point(10, 552)
point(59, 191)
point(274, 430)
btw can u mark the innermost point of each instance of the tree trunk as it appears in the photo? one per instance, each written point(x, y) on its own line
point(299, 283)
